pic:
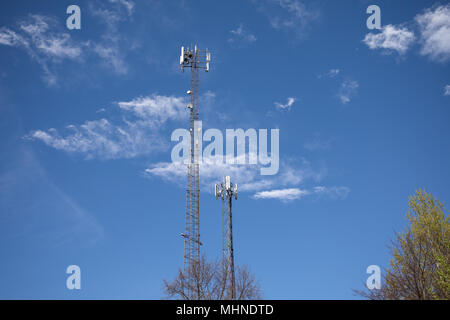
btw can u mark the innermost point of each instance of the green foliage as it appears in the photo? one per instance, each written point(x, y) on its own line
point(420, 264)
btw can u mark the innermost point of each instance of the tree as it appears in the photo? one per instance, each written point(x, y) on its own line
point(211, 281)
point(420, 266)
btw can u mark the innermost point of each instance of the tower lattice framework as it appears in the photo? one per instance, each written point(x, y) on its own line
point(196, 60)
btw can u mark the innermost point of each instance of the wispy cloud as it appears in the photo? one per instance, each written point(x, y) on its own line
point(46, 41)
point(10, 38)
point(156, 109)
point(137, 134)
point(241, 36)
point(434, 28)
point(447, 90)
point(112, 56)
point(347, 90)
point(41, 38)
point(282, 194)
point(213, 169)
point(391, 38)
point(330, 74)
point(292, 15)
point(127, 4)
point(110, 48)
point(290, 194)
point(331, 192)
point(287, 105)
point(55, 46)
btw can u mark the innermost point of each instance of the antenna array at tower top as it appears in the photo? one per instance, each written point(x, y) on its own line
point(195, 58)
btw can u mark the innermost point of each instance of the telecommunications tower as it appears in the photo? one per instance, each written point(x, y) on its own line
point(226, 191)
point(195, 59)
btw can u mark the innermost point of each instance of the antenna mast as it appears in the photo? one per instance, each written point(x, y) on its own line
point(195, 59)
point(226, 191)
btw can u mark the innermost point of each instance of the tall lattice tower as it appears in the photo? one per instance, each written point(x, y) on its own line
point(195, 59)
point(226, 191)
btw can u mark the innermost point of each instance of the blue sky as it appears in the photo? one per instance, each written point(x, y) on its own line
point(85, 172)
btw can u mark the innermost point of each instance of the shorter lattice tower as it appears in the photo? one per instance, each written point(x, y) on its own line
point(226, 191)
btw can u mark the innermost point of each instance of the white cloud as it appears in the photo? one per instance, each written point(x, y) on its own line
point(129, 5)
point(36, 25)
point(101, 139)
point(282, 194)
point(248, 177)
point(109, 49)
point(287, 106)
point(330, 74)
point(290, 194)
point(391, 38)
point(138, 133)
point(10, 38)
point(290, 15)
point(212, 170)
point(447, 90)
point(333, 72)
point(332, 192)
point(44, 39)
point(156, 108)
point(111, 57)
point(348, 90)
point(435, 33)
point(38, 35)
point(59, 47)
point(298, 15)
point(51, 44)
point(241, 35)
